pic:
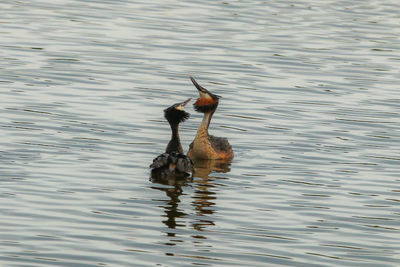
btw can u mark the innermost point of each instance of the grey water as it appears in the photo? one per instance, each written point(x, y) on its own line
point(310, 103)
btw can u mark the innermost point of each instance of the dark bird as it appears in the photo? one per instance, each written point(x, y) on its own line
point(173, 163)
point(205, 146)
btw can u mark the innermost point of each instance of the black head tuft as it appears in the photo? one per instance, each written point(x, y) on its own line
point(175, 116)
point(207, 102)
point(206, 108)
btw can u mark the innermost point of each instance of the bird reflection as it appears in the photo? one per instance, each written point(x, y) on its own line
point(171, 206)
point(203, 167)
point(203, 198)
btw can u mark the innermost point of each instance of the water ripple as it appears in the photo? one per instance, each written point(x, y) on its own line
point(310, 103)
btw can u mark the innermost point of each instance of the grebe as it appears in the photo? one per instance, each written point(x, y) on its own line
point(173, 163)
point(205, 146)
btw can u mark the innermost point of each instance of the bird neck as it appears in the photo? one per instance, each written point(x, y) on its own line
point(175, 142)
point(203, 128)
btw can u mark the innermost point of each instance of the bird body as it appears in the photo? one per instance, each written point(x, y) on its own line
point(173, 163)
point(204, 145)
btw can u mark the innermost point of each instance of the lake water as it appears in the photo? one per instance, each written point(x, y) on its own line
point(310, 103)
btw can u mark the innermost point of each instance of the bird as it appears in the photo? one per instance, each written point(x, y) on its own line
point(204, 145)
point(173, 162)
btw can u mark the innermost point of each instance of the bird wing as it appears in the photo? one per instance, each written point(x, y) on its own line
point(160, 161)
point(184, 164)
point(220, 143)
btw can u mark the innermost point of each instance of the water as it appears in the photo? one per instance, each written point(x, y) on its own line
point(310, 103)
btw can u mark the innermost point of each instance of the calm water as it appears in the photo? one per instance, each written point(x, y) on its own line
point(311, 104)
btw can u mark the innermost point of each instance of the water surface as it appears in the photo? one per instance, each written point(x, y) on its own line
point(310, 103)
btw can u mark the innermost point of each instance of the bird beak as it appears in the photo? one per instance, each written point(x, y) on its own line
point(200, 88)
point(181, 105)
point(186, 101)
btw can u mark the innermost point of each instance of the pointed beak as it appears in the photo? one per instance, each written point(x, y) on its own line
point(186, 101)
point(180, 106)
point(200, 88)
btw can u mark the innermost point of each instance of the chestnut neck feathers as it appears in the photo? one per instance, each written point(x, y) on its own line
point(207, 104)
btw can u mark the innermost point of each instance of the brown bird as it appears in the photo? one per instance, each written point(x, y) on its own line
point(205, 146)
